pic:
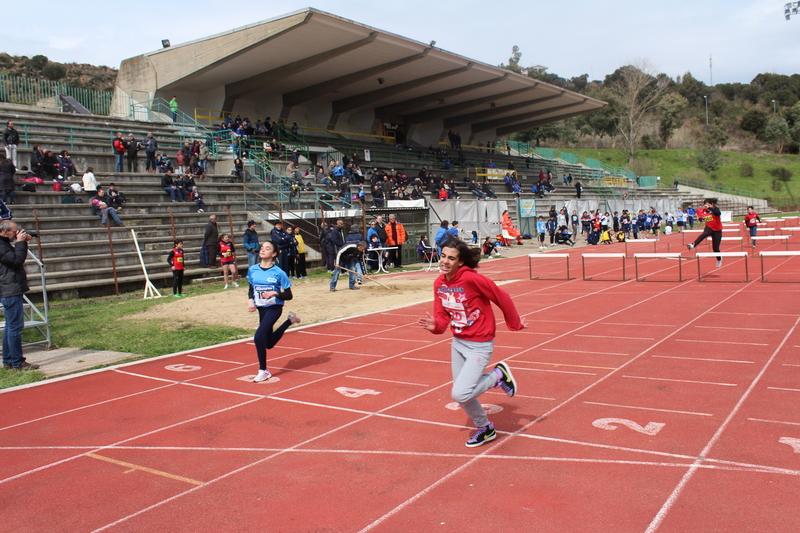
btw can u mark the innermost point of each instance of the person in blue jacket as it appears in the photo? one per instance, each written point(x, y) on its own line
point(269, 289)
point(250, 242)
point(441, 235)
point(284, 242)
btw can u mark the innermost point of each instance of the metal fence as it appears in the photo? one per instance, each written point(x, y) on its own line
point(45, 93)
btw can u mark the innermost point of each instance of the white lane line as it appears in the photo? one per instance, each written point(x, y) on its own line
point(281, 347)
point(298, 370)
point(706, 341)
point(396, 340)
point(425, 360)
point(354, 353)
point(649, 409)
point(534, 333)
point(580, 351)
point(781, 388)
point(774, 421)
point(683, 381)
point(748, 329)
point(217, 360)
point(323, 334)
point(639, 325)
point(787, 364)
point(509, 347)
point(553, 371)
point(616, 337)
point(701, 359)
point(390, 381)
point(557, 321)
point(144, 376)
point(368, 324)
point(229, 391)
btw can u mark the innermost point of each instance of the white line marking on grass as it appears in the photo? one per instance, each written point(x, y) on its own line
point(706, 341)
point(649, 409)
point(781, 388)
point(217, 360)
point(774, 421)
point(616, 337)
point(701, 359)
point(581, 351)
point(683, 381)
point(748, 329)
point(390, 381)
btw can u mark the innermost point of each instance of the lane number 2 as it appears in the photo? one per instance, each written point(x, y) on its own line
point(611, 424)
point(355, 393)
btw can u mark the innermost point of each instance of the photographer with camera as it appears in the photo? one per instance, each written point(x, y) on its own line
point(13, 285)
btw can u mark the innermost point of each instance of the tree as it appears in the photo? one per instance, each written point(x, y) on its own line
point(777, 132)
point(54, 71)
point(692, 89)
point(37, 62)
point(513, 61)
point(539, 134)
point(602, 122)
point(754, 120)
point(671, 106)
point(639, 93)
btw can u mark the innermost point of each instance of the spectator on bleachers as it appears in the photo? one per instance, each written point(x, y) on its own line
point(49, 165)
point(10, 141)
point(115, 197)
point(250, 243)
point(197, 197)
point(202, 155)
point(89, 182)
point(132, 150)
point(168, 185)
point(180, 161)
point(173, 107)
point(188, 184)
point(118, 144)
point(491, 164)
point(37, 161)
point(104, 210)
point(487, 190)
point(337, 173)
point(150, 148)
point(65, 165)
point(180, 183)
point(163, 163)
point(7, 172)
point(475, 189)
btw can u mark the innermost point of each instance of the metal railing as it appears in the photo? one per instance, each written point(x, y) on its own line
point(46, 93)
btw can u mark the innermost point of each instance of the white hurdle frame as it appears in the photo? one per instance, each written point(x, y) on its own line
point(723, 254)
point(547, 256)
point(667, 255)
point(740, 240)
point(639, 241)
point(777, 253)
point(611, 256)
point(774, 238)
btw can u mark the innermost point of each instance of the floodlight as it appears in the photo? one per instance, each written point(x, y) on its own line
point(165, 43)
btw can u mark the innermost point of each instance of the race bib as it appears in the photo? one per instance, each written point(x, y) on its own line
point(259, 292)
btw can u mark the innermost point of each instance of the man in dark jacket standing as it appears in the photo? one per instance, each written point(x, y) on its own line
point(211, 242)
point(150, 148)
point(250, 242)
point(11, 140)
point(284, 242)
point(132, 149)
point(13, 285)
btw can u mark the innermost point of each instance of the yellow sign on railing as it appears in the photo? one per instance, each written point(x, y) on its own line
point(209, 117)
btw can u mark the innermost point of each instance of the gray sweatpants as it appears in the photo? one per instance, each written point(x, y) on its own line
point(469, 360)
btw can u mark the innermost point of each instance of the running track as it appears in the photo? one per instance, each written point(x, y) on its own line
point(643, 407)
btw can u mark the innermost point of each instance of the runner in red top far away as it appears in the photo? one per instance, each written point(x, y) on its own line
point(463, 299)
point(751, 220)
point(711, 214)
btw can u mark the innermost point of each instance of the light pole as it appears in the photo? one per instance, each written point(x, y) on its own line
point(774, 112)
point(705, 98)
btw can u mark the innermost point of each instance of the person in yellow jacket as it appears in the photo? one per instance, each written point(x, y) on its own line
point(300, 265)
point(395, 237)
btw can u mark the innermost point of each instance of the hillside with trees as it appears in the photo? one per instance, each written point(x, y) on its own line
point(81, 75)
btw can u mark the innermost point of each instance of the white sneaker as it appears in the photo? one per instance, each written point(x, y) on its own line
point(235, 284)
point(293, 318)
point(719, 263)
point(225, 287)
point(263, 375)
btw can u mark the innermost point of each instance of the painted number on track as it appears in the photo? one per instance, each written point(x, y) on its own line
point(794, 443)
point(490, 408)
point(355, 393)
point(609, 423)
point(183, 368)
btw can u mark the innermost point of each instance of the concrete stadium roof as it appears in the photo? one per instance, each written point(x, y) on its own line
point(313, 65)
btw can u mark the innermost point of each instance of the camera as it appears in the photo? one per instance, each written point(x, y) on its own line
point(32, 233)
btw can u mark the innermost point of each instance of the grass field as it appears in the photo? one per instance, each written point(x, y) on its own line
point(670, 164)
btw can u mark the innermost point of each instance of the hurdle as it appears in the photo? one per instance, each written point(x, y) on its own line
point(723, 254)
point(547, 256)
point(772, 238)
point(668, 255)
point(639, 241)
point(728, 240)
point(607, 256)
point(791, 229)
point(777, 253)
point(692, 232)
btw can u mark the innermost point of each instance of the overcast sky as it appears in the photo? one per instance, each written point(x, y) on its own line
point(745, 37)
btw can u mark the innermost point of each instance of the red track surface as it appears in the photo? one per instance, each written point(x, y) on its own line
point(665, 407)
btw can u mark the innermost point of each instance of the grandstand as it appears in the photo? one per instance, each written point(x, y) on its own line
point(396, 127)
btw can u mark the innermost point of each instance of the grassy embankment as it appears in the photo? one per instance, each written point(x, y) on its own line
point(670, 164)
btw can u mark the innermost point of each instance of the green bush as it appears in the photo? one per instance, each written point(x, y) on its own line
point(782, 173)
point(708, 159)
point(747, 170)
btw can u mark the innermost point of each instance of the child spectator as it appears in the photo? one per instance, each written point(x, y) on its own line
point(489, 248)
point(541, 229)
point(373, 256)
point(564, 236)
point(115, 197)
point(227, 255)
point(552, 227)
point(197, 196)
point(176, 264)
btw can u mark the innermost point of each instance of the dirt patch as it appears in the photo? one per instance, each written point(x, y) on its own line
point(312, 302)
